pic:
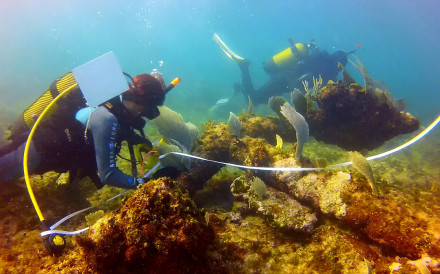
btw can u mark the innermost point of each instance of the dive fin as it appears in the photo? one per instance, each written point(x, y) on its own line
point(232, 55)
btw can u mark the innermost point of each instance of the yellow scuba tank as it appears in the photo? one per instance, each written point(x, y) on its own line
point(27, 119)
point(286, 58)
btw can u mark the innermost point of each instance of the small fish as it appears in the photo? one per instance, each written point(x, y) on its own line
point(279, 141)
point(159, 142)
point(302, 77)
point(358, 46)
point(222, 101)
point(361, 164)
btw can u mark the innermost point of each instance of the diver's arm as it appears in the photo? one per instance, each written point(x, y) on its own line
point(104, 127)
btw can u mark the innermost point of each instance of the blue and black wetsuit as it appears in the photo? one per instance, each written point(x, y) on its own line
point(63, 147)
point(106, 131)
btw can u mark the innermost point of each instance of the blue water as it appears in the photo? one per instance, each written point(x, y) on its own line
point(41, 40)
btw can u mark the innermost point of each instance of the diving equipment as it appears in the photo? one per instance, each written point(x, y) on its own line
point(46, 104)
point(287, 57)
point(231, 55)
point(28, 118)
point(100, 79)
point(55, 244)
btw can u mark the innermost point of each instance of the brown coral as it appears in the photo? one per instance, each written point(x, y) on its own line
point(158, 228)
point(354, 119)
point(216, 143)
point(392, 225)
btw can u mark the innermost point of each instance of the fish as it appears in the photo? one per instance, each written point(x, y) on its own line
point(279, 141)
point(302, 77)
point(361, 164)
point(222, 101)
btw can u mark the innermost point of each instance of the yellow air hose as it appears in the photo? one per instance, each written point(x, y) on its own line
point(26, 151)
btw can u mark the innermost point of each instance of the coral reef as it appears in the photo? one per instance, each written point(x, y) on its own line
point(395, 226)
point(324, 191)
point(276, 207)
point(217, 143)
point(354, 119)
point(267, 128)
point(271, 222)
point(312, 94)
point(157, 228)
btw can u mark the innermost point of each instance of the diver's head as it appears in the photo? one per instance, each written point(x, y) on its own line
point(341, 57)
point(144, 96)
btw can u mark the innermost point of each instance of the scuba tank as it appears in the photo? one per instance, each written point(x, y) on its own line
point(286, 58)
point(26, 120)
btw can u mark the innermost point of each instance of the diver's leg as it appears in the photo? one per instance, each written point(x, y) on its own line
point(11, 164)
point(247, 87)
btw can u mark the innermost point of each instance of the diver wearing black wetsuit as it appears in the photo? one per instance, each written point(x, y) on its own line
point(89, 144)
point(282, 80)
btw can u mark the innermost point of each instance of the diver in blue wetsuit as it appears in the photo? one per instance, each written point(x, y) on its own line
point(85, 141)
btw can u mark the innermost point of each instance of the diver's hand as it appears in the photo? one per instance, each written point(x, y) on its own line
point(140, 181)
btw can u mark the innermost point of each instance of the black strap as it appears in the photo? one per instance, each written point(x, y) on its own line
point(132, 159)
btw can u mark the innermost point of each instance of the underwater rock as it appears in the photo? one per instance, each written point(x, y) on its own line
point(276, 207)
point(399, 227)
point(267, 128)
point(213, 144)
point(324, 192)
point(384, 221)
point(216, 143)
point(159, 228)
point(354, 119)
point(284, 177)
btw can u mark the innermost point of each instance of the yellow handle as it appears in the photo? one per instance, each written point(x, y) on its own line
point(26, 151)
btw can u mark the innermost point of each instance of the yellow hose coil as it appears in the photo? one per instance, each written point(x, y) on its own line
point(26, 150)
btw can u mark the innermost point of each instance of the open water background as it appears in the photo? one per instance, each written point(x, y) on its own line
point(42, 40)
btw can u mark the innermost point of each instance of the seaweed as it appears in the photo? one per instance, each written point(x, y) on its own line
point(300, 125)
point(234, 125)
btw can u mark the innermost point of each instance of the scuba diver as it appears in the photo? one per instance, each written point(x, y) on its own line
point(86, 140)
point(287, 69)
